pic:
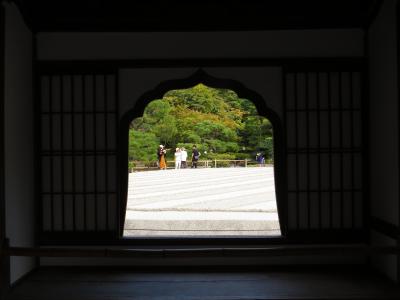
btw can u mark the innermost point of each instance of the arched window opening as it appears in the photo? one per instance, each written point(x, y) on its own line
point(201, 163)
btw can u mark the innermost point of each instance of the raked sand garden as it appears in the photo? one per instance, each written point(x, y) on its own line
point(202, 202)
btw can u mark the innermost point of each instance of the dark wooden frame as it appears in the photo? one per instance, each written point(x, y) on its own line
point(110, 238)
point(2, 99)
point(382, 226)
point(52, 74)
point(398, 124)
point(4, 260)
point(360, 150)
point(200, 76)
point(266, 251)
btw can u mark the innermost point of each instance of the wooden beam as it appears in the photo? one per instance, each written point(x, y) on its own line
point(190, 16)
point(58, 67)
point(2, 95)
point(4, 260)
point(397, 30)
point(279, 251)
point(5, 282)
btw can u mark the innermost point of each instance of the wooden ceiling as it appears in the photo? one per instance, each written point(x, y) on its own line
point(190, 15)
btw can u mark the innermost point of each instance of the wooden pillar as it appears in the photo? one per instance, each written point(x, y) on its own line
point(4, 270)
point(398, 115)
point(4, 260)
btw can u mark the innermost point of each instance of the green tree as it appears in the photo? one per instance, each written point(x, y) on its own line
point(218, 121)
point(166, 130)
point(143, 146)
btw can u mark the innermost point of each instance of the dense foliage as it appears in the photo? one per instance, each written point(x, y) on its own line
point(222, 125)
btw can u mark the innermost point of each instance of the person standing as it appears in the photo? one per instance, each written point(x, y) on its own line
point(259, 159)
point(161, 157)
point(178, 158)
point(183, 158)
point(195, 156)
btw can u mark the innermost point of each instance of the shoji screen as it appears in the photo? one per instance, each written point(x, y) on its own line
point(324, 139)
point(78, 154)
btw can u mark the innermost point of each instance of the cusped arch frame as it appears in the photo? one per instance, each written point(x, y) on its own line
point(200, 76)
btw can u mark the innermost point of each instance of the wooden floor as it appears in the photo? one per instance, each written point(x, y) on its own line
point(117, 284)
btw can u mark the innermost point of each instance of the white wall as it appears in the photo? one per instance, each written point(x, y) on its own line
point(282, 43)
point(383, 116)
point(19, 150)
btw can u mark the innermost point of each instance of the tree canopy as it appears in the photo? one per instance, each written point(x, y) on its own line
point(221, 124)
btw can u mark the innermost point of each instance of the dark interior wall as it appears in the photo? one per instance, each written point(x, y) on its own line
point(324, 138)
point(133, 82)
point(264, 80)
point(383, 122)
point(19, 139)
point(267, 82)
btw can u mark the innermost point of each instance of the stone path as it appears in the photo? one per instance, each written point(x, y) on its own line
point(202, 202)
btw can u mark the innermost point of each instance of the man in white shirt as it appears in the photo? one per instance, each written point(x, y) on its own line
point(178, 158)
point(183, 158)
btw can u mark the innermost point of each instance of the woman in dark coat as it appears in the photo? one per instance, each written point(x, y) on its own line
point(195, 156)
